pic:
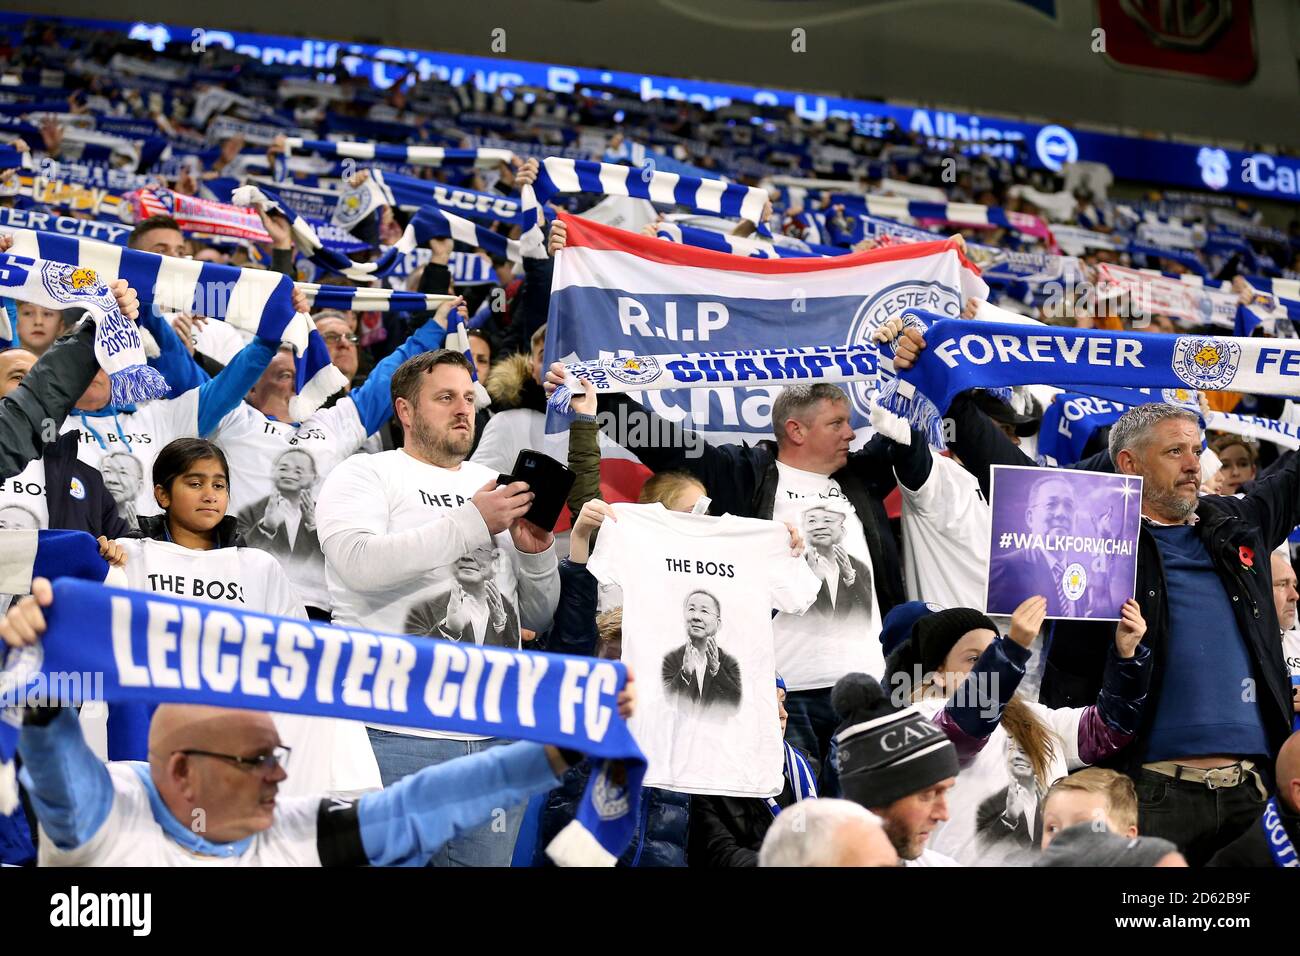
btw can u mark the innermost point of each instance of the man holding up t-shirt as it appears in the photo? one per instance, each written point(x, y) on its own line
point(395, 527)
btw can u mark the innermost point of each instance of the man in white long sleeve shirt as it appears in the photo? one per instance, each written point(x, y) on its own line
point(415, 540)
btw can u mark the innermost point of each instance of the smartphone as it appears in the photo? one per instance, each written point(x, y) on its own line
point(548, 480)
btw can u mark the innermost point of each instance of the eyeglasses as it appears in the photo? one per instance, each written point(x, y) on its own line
point(334, 338)
point(263, 763)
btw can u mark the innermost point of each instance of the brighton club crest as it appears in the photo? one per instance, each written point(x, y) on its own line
point(639, 370)
point(1205, 362)
point(69, 284)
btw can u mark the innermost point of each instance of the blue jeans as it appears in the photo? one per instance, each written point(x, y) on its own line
point(492, 844)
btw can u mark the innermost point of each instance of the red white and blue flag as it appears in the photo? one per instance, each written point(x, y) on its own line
point(669, 309)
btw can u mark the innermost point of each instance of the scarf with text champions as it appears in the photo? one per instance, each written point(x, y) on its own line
point(253, 300)
point(158, 649)
point(962, 354)
point(119, 350)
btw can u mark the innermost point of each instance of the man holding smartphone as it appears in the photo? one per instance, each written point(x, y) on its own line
point(406, 535)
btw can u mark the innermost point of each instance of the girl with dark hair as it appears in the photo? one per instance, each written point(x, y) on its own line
point(193, 551)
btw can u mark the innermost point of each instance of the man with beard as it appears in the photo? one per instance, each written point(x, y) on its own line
point(284, 522)
point(1049, 512)
point(394, 525)
point(472, 609)
point(700, 670)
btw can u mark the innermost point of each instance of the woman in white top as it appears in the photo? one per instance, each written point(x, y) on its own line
point(192, 551)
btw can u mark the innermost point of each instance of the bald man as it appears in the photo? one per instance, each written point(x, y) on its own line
point(827, 832)
point(1274, 838)
point(208, 795)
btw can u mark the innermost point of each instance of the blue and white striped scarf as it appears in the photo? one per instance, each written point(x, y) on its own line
point(54, 284)
point(721, 242)
point(706, 196)
point(253, 300)
point(412, 155)
point(428, 223)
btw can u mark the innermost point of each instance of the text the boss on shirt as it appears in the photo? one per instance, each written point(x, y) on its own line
point(696, 566)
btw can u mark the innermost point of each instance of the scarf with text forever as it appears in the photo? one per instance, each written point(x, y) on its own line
point(961, 354)
point(155, 648)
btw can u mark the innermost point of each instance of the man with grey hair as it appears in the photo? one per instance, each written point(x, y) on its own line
point(1220, 703)
point(809, 466)
point(827, 832)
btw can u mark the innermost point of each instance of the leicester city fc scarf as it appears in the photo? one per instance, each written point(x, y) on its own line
point(153, 648)
point(118, 346)
point(253, 300)
point(1279, 842)
point(962, 354)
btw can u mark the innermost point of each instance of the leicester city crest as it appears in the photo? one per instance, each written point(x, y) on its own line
point(69, 284)
point(610, 799)
point(634, 370)
point(1205, 362)
point(351, 208)
point(1074, 582)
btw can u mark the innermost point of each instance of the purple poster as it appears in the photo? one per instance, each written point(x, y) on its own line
point(1070, 536)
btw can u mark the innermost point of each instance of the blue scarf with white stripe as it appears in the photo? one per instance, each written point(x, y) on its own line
point(705, 196)
point(253, 300)
point(411, 155)
point(429, 223)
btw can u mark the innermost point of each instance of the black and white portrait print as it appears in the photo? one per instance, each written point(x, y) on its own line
point(1012, 815)
point(18, 518)
point(472, 608)
point(284, 522)
point(124, 478)
point(846, 587)
point(700, 670)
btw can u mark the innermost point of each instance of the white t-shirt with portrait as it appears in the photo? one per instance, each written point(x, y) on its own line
point(122, 447)
point(692, 583)
point(329, 755)
point(23, 503)
point(452, 580)
point(995, 805)
point(840, 633)
point(277, 469)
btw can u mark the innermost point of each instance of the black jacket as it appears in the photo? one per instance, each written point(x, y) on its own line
point(39, 405)
point(1076, 656)
point(86, 506)
point(228, 536)
point(729, 831)
point(742, 480)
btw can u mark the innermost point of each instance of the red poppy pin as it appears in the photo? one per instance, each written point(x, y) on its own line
point(1247, 557)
